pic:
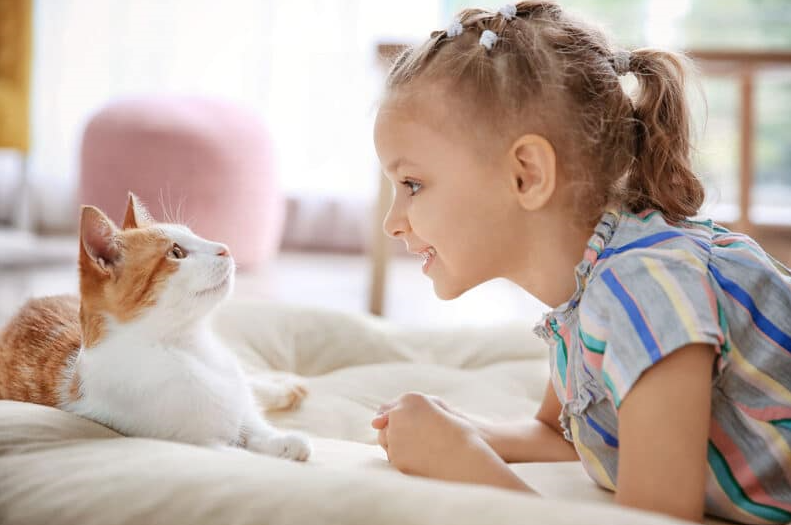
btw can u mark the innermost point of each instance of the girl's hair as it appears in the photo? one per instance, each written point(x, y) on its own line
point(550, 74)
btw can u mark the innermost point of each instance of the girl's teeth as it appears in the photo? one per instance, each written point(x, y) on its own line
point(428, 253)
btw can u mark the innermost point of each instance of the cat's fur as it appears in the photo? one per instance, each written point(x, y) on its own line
point(135, 352)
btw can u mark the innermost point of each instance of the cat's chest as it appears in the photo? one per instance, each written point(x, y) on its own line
point(195, 395)
point(160, 365)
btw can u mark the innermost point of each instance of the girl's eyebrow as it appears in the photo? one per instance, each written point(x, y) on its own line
point(393, 166)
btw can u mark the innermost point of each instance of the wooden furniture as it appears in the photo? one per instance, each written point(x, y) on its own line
point(744, 66)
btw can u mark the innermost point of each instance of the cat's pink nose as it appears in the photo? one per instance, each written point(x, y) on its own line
point(223, 251)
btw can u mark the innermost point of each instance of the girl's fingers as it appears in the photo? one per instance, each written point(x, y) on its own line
point(382, 439)
point(380, 421)
point(441, 402)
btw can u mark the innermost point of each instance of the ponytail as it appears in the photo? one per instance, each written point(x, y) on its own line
point(661, 175)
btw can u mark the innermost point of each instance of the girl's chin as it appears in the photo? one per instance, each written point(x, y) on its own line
point(446, 293)
point(446, 288)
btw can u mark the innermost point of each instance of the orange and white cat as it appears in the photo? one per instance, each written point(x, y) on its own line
point(135, 351)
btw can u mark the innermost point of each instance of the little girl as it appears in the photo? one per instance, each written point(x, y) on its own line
point(516, 153)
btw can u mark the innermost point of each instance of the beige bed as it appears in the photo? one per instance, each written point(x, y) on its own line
point(56, 468)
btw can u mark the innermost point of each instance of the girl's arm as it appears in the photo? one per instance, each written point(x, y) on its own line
point(423, 437)
point(538, 439)
point(663, 429)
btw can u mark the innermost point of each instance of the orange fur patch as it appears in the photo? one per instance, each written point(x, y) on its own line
point(127, 289)
point(74, 387)
point(35, 348)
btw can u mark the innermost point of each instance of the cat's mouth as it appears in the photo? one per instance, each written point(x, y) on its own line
point(221, 286)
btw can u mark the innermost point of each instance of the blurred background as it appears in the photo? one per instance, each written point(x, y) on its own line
point(251, 120)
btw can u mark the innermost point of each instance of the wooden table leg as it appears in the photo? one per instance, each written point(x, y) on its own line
point(380, 248)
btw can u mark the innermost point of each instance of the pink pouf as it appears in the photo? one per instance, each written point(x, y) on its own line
point(209, 162)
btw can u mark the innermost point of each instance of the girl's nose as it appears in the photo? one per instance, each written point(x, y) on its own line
point(395, 223)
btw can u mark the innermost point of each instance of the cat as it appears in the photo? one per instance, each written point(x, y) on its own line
point(135, 352)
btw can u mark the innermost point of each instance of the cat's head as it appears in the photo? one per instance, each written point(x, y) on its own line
point(149, 271)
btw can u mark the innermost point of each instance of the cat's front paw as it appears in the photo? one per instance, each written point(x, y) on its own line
point(279, 392)
point(290, 445)
point(292, 392)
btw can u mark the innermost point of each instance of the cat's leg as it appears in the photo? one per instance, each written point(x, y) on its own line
point(278, 390)
point(224, 447)
point(262, 437)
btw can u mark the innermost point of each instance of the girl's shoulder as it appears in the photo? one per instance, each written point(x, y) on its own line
point(644, 241)
point(691, 260)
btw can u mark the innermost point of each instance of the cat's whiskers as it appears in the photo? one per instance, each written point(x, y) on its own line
point(225, 282)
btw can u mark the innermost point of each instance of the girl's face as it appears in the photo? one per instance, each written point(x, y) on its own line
point(452, 203)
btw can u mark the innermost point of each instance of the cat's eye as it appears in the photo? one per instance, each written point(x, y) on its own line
point(177, 252)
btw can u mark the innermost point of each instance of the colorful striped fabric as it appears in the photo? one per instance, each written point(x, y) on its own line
point(646, 288)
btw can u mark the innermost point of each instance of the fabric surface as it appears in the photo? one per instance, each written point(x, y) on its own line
point(646, 289)
point(203, 162)
point(57, 468)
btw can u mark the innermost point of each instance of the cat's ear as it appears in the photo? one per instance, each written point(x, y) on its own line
point(98, 240)
point(137, 216)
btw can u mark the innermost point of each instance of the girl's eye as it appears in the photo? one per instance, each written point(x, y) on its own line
point(413, 186)
point(177, 252)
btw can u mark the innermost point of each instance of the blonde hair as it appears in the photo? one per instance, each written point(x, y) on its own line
point(556, 76)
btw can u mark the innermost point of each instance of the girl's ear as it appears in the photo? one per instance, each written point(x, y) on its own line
point(137, 216)
point(533, 171)
point(98, 240)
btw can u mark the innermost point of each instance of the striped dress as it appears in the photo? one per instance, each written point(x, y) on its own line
point(646, 288)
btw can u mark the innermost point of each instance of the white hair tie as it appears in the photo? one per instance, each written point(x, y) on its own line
point(622, 62)
point(488, 39)
point(508, 11)
point(454, 29)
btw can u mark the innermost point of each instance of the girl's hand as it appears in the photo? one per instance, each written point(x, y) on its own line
point(380, 421)
point(425, 438)
point(419, 433)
